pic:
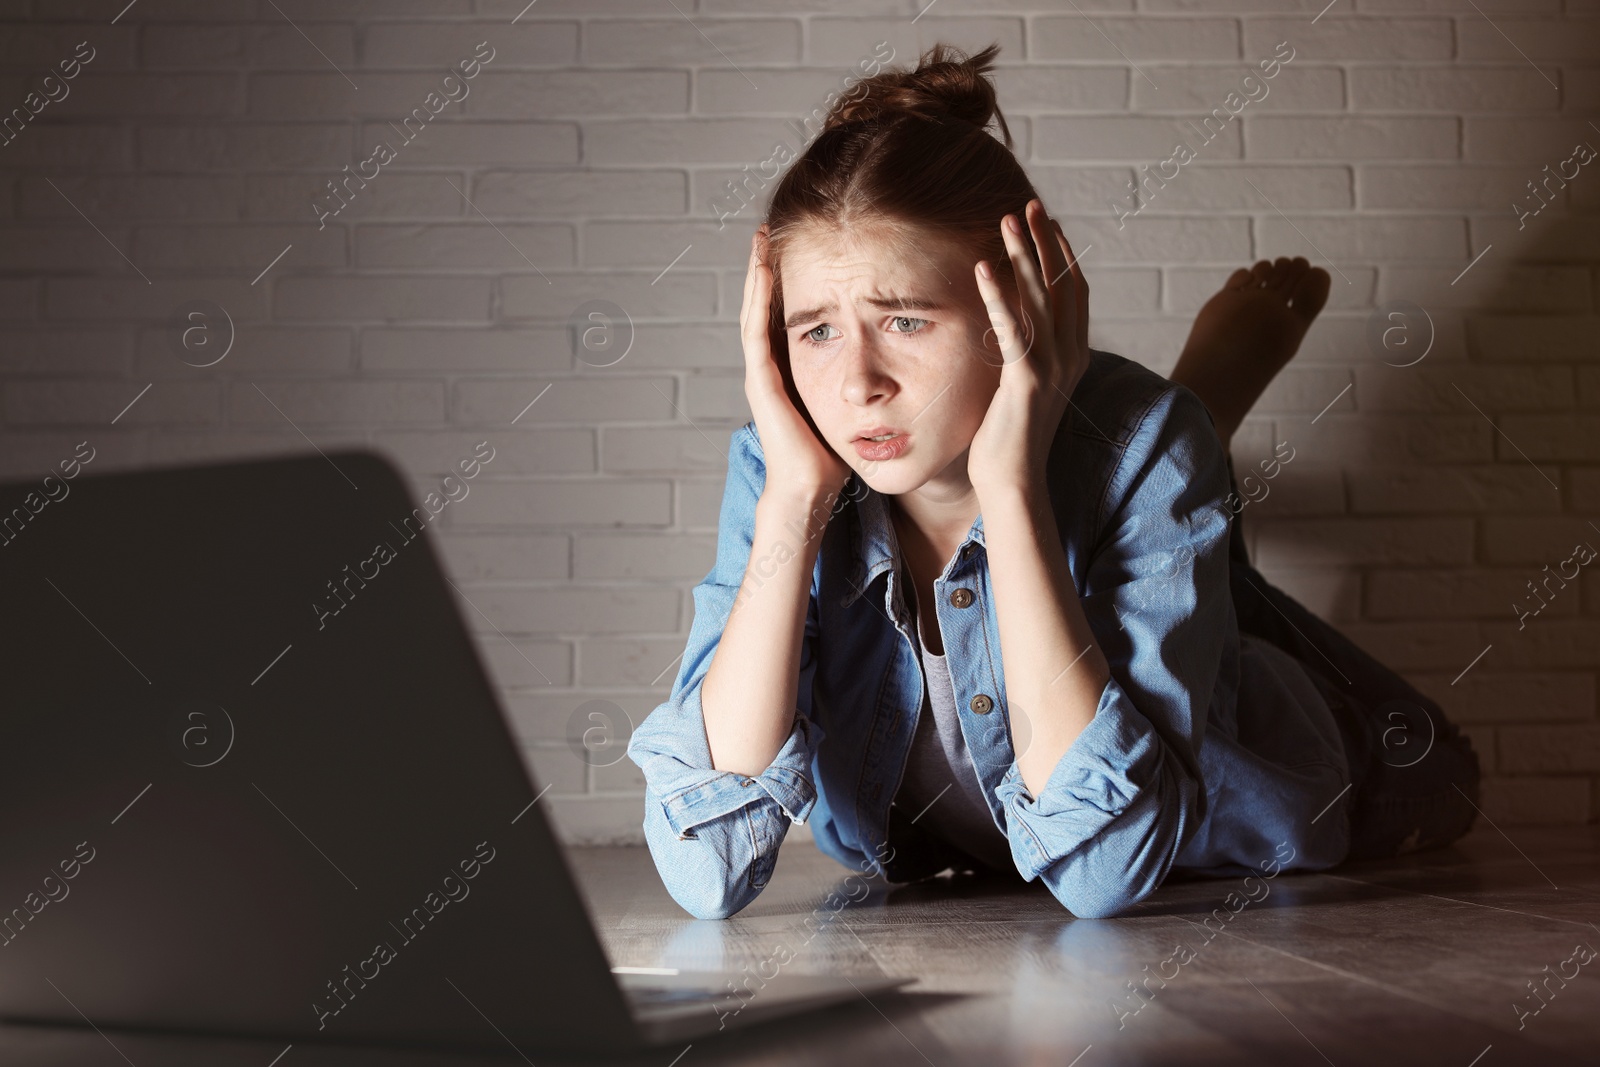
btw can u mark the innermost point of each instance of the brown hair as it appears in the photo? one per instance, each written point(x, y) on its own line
point(912, 147)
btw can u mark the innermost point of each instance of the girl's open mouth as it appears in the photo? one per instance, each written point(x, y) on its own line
point(869, 448)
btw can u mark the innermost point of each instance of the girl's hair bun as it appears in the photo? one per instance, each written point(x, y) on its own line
point(947, 84)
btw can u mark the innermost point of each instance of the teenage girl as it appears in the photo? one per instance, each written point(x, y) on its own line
point(981, 598)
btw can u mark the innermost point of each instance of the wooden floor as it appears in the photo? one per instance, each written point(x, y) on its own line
point(1419, 961)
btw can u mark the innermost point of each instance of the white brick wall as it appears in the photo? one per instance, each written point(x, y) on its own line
point(597, 140)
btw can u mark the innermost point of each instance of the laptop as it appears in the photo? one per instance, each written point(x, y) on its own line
point(255, 780)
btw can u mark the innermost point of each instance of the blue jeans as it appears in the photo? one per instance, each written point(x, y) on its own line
point(1414, 774)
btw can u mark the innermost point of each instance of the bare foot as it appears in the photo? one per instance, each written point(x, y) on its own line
point(1245, 334)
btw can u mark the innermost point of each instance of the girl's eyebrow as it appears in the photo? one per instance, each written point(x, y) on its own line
point(808, 315)
point(906, 303)
point(885, 303)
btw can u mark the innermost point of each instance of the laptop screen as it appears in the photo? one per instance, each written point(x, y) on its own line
point(255, 778)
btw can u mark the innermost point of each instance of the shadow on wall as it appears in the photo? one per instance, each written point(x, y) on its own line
point(1444, 502)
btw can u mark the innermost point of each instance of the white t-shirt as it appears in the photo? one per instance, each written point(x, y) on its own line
point(941, 790)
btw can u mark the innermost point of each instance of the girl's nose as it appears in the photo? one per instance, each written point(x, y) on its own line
point(866, 377)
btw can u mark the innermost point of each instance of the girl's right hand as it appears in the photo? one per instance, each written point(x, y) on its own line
point(798, 461)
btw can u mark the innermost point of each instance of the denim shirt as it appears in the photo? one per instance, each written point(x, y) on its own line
point(1175, 770)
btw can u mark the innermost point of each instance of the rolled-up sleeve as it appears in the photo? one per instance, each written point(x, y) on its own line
point(1128, 793)
point(714, 835)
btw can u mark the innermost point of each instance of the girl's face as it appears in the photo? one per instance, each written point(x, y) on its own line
point(887, 333)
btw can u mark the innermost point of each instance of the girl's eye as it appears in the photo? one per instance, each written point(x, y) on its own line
point(907, 324)
point(816, 336)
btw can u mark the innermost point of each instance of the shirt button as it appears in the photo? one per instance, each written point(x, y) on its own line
point(966, 553)
point(961, 598)
point(981, 704)
point(744, 782)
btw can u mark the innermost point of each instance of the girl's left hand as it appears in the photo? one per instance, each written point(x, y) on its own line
point(1043, 356)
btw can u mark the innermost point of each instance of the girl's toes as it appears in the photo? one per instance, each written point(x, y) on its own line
point(1292, 275)
point(1261, 271)
point(1280, 268)
point(1310, 294)
point(1238, 278)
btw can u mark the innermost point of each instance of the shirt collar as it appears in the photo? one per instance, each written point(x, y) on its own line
point(876, 545)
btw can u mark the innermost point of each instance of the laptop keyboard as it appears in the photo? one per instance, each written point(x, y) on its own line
point(651, 996)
